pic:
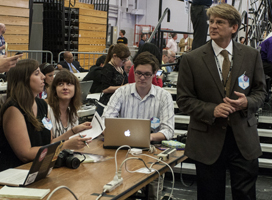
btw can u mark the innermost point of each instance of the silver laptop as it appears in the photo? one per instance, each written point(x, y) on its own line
point(132, 132)
point(85, 87)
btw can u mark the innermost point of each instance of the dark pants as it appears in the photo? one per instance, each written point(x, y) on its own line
point(211, 179)
point(199, 20)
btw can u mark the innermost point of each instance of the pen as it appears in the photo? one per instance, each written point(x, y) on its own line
point(85, 141)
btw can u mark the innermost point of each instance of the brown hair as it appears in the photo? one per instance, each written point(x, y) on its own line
point(19, 89)
point(120, 50)
point(227, 12)
point(123, 31)
point(147, 58)
point(53, 100)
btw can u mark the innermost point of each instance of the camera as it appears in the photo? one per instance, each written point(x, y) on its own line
point(66, 158)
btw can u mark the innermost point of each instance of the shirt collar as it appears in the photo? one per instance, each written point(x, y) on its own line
point(152, 90)
point(217, 49)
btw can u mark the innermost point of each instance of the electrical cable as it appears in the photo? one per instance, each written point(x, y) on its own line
point(104, 192)
point(173, 176)
point(60, 187)
point(181, 179)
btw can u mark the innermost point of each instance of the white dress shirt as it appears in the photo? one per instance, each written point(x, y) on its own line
point(127, 103)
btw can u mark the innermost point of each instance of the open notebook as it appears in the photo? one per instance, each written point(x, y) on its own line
point(42, 166)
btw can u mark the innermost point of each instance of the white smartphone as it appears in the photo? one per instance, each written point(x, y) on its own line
point(159, 72)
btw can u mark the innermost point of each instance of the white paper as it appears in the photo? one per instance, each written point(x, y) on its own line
point(98, 127)
point(21, 192)
point(13, 176)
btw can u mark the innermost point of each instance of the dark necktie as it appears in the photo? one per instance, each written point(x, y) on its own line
point(225, 70)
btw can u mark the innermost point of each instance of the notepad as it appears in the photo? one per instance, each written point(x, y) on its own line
point(21, 192)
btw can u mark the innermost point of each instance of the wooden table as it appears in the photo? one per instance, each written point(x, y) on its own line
point(88, 180)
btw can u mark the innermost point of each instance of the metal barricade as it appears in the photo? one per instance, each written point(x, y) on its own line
point(86, 61)
point(40, 55)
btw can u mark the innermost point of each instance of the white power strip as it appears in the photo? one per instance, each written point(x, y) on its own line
point(113, 184)
point(166, 153)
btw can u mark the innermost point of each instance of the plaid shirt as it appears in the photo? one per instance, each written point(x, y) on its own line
point(2, 42)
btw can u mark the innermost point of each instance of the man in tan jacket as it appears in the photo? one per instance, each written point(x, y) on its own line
point(185, 43)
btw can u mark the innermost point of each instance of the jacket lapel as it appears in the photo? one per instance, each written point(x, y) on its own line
point(209, 60)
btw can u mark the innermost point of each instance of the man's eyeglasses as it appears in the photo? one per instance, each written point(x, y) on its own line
point(146, 75)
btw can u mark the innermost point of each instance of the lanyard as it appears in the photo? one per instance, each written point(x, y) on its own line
point(219, 68)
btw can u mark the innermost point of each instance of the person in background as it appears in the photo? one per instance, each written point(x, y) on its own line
point(143, 39)
point(222, 92)
point(48, 71)
point(113, 76)
point(122, 39)
point(153, 49)
point(70, 64)
point(172, 44)
point(242, 40)
point(199, 20)
point(165, 57)
point(127, 67)
point(24, 115)
point(185, 43)
point(172, 56)
point(95, 74)
point(2, 40)
point(266, 53)
point(143, 100)
point(64, 102)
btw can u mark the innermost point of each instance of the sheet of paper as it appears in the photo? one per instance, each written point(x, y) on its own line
point(98, 127)
point(13, 177)
point(21, 192)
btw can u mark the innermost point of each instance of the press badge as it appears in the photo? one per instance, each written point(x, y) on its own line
point(243, 81)
point(47, 123)
point(155, 122)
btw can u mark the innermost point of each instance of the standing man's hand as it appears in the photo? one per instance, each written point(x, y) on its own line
point(223, 110)
point(240, 103)
point(8, 62)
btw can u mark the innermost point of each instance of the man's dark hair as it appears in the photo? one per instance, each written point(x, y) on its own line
point(123, 32)
point(147, 58)
point(173, 35)
point(142, 35)
point(100, 60)
point(240, 38)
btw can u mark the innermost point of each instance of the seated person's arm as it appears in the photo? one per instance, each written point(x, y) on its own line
point(75, 142)
point(2, 47)
point(59, 66)
point(16, 133)
point(167, 120)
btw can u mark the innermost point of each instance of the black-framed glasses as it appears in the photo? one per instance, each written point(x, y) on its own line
point(124, 60)
point(146, 75)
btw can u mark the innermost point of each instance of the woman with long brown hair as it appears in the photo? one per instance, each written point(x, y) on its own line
point(24, 116)
point(64, 101)
point(113, 76)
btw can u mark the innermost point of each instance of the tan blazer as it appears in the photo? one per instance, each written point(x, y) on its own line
point(200, 90)
point(182, 44)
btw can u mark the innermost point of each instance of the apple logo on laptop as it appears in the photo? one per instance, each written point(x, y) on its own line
point(127, 133)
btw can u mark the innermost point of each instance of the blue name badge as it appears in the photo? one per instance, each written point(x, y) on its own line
point(47, 123)
point(155, 122)
point(243, 81)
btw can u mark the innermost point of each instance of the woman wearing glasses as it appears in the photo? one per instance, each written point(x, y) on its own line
point(113, 76)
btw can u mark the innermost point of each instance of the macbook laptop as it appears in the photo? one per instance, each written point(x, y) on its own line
point(132, 132)
point(85, 87)
point(42, 166)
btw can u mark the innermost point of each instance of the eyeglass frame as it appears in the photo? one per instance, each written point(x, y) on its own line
point(140, 74)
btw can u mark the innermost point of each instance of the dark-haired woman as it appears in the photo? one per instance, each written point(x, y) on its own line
point(22, 130)
point(48, 71)
point(64, 100)
point(113, 76)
